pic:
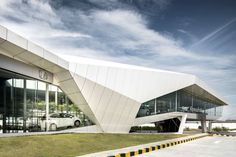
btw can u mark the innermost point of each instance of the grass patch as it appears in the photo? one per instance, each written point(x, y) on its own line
point(71, 145)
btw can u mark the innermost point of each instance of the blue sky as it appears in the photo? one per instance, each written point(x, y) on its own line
point(191, 36)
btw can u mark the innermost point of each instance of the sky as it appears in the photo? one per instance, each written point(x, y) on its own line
point(191, 36)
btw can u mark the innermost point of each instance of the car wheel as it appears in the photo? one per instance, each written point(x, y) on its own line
point(53, 127)
point(77, 123)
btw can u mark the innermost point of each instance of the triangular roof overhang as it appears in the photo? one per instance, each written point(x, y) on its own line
point(203, 94)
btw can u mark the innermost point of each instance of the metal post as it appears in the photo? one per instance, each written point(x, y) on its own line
point(176, 101)
point(66, 101)
point(192, 101)
point(215, 111)
point(47, 105)
point(56, 101)
point(155, 107)
point(13, 118)
point(4, 130)
point(24, 108)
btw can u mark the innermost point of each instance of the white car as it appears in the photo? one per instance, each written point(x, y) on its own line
point(59, 120)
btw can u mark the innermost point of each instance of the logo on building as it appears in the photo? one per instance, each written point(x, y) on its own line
point(43, 75)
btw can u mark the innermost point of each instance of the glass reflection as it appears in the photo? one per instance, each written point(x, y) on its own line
point(180, 101)
point(23, 107)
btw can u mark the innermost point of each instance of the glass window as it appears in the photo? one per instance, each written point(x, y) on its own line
point(23, 107)
point(186, 102)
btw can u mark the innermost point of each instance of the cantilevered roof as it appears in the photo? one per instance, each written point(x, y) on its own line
point(200, 92)
point(19, 48)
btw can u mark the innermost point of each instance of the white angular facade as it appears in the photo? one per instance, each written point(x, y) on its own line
point(110, 94)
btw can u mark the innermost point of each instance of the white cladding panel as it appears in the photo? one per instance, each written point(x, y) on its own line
point(81, 69)
point(14, 44)
point(154, 118)
point(120, 80)
point(119, 109)
point(95, 96)
point(92, 73)
point(139, 85)
point(87, 89)
point(102, 75)
point(79, 81)
point(3, 34)
point(111, 78)
point(108, 112)
point(62, 63)
point(103, 102)
point(25, 69)
point(77, 98)
point(72, 68)
point(50, 56)
point(69, 86)
point(35, 49)
point(63, 76)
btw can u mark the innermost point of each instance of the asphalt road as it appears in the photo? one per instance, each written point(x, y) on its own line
point(216, 146)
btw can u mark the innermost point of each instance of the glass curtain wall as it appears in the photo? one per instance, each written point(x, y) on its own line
point(180, 101)
point(23, 106)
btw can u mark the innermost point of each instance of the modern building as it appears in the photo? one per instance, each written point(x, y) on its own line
point(112, 96)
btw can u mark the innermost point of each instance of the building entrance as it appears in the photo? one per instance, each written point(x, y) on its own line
point(23, 106)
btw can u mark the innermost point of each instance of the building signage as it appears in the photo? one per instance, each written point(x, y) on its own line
point(43, 75)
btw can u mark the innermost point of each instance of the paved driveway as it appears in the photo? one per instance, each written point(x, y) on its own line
point(216, 146)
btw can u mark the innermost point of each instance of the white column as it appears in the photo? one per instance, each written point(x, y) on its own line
point(182, 124)
point(47, 105)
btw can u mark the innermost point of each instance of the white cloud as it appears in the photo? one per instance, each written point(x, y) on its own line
point(138, 35)
point(213, 34)
point(126, 30)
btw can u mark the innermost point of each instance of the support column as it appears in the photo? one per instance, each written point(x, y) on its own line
point(155, 106)
point(24, 108)
point(215, 111)
point(210, 126)
point(4, 129)
point(66, 101)
point(203, 123)
point(47, 106)
point(56, 101)
point(192, 102)
point(182, 124)
point(176, 101)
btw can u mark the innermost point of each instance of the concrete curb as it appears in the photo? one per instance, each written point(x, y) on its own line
point(145, 148)
point(219, 134)
point(155, 147)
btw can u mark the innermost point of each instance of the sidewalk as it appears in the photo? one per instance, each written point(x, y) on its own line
point(140, 147)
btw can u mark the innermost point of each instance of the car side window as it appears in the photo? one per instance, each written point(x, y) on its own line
point(54, 115)
point(62, 115)
point(68, 115)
